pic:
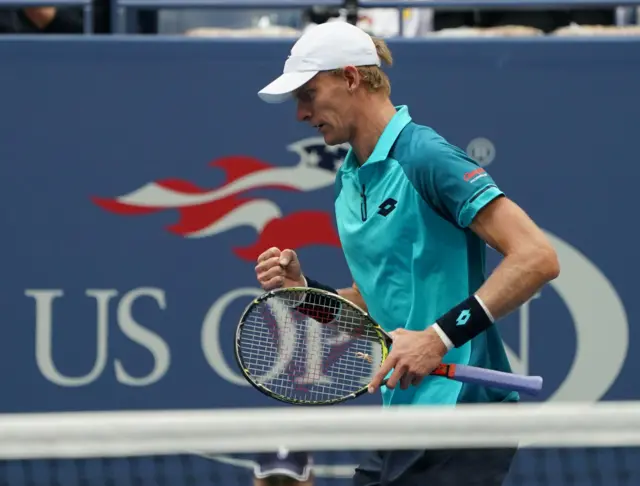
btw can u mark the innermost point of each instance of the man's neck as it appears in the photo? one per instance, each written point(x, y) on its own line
point(373, 118)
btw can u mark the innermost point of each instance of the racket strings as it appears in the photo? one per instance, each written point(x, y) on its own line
point(288, 351)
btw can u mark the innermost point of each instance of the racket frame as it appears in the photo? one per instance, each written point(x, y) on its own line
point(384, 340)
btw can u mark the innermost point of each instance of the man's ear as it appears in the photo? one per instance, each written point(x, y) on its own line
point(352, 76)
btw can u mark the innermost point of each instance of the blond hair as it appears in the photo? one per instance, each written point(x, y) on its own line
point(373, 76)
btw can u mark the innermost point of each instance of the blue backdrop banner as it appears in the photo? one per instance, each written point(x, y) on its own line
point(141, 179)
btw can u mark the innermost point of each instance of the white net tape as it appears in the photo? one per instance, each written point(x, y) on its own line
point(560, 444)
point(115, 434)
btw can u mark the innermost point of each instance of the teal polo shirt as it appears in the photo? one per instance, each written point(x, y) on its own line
point(403, 220)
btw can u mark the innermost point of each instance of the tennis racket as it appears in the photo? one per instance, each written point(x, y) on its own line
point(306, 346)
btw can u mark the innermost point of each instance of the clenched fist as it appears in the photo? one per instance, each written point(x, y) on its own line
point(277, 269)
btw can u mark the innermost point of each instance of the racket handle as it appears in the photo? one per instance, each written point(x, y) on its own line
point(530, 385)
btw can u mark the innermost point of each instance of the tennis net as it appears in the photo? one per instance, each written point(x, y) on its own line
point(559, 444)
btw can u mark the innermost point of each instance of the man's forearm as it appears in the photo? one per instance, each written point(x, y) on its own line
point(516, 280)
point(353, 295)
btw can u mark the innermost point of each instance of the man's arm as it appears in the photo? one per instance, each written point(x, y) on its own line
point(529, 262)
point(319, 308)
point(466, 195)
point(353, 294)
point(529, 259)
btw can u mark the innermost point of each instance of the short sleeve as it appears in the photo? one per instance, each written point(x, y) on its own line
point(451, 181)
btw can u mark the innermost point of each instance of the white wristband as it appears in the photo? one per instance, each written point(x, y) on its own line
point(445, 339)
point(484, 307)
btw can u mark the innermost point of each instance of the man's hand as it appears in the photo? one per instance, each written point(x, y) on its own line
point(277, 269)
point(414, 355)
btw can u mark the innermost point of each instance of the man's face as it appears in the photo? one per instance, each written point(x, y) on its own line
point(325, 103)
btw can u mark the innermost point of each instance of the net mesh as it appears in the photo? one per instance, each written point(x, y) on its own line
point(559, 445)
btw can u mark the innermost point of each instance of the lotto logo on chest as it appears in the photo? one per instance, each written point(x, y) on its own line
point(387, 207)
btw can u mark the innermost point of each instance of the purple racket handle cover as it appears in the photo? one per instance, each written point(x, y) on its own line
point(530, 385)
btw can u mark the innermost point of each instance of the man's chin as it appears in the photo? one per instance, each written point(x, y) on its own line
point(331, 139)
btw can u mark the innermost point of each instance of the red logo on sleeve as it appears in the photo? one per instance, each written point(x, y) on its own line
point(475, 174)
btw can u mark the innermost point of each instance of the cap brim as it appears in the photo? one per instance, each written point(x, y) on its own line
point(281, 88)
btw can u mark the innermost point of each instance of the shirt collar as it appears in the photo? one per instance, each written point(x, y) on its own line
point(388, 137)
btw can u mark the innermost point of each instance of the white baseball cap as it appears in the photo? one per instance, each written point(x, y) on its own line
point(328, 46)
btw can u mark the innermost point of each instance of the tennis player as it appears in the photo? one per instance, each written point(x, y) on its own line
point(414, 215)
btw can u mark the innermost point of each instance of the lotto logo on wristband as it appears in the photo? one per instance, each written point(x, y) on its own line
point(463, 317)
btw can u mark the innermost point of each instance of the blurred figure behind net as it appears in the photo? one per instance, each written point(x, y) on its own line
point(283, 468)
point(379, 22)
point(69, 20)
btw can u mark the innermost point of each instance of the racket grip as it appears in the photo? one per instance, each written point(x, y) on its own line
point(530, 385)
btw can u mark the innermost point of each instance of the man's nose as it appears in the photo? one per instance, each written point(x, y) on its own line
point(303, 113)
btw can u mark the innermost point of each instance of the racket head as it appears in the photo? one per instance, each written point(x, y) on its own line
point(320, 358)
